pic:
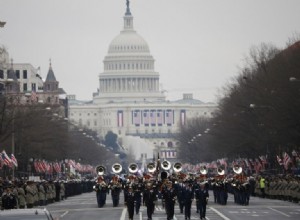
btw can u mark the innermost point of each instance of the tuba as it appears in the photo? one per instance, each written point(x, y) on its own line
point(203, 170)
point(151, 167)
point(100, 170)
point(177, 167)
point(166, 166)
point(116, 168)
point(220, 171)
point(133, 168)
point(237, 169)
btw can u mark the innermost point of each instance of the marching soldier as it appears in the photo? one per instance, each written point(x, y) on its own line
point(101, 191)
point(170, 196)
point(188, 196)
point(202, 198)
point(129, 202)
point(138, 190)
point(115, 189)
point(149, 197)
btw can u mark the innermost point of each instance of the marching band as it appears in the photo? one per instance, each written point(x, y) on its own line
point(171, 185)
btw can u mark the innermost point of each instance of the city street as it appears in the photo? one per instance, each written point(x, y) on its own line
point(85, 207)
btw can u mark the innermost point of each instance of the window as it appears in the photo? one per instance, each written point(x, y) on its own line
point(18, 74)
point(24, 74)
point(1, 74)
point(25, 87)
point(95, 123)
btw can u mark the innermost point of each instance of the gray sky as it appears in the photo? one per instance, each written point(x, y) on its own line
point(198, 45)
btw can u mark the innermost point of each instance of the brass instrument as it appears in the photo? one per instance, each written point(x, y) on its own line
point(220, 171)
point(177, 167)
point(166, 166)
point(151, 167)
point(117, 168)
point(203, 170)
point(133, 168)
point(100, 170)
point(237, 169)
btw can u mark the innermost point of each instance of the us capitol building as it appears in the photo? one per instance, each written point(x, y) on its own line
point(130, 103)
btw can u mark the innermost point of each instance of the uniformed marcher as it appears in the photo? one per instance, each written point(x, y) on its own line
point(101, 191)
point(202, 197)
point(188, 196)
point(115, 190)
point(42, 194)
point(170, 196)
point(129, 202)
point(149, 197)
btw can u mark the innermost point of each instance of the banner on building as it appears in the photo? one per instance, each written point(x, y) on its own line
point(182, 117)
point(169, 117)
point(136, 117)
point(120, 118)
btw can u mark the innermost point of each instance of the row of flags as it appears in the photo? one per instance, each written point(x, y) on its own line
point(5, 160)
point(252, 165)
point(43, 166)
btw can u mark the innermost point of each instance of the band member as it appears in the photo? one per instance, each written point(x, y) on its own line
point(180, 195)
point(138, 191)
point(170, 196)
point(129, 202)
point(149, 197)
point(188, 196)
point(101, 191)
point(116, 188)
point(202, 198)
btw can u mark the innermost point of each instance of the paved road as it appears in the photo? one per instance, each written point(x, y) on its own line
point(84, 207)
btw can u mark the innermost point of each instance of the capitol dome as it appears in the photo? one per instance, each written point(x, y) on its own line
point(128, 41)
point(129, 74)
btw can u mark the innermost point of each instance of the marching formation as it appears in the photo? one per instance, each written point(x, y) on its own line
point(171, 186)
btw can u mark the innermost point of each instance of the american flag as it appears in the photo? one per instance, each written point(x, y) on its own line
point(153, 117)
point(5, 158)
point(169, 117)
point(14, 160)
point(146, 117)
point(279, 160)
point(136, 117)
point(159, 117)
point(286, 160)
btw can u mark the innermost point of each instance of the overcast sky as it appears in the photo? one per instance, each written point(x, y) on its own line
point(198, 45)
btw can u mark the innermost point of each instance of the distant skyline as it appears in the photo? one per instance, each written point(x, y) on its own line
point(198, 45)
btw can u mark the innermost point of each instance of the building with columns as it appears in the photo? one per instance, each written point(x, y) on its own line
point(130, 103)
